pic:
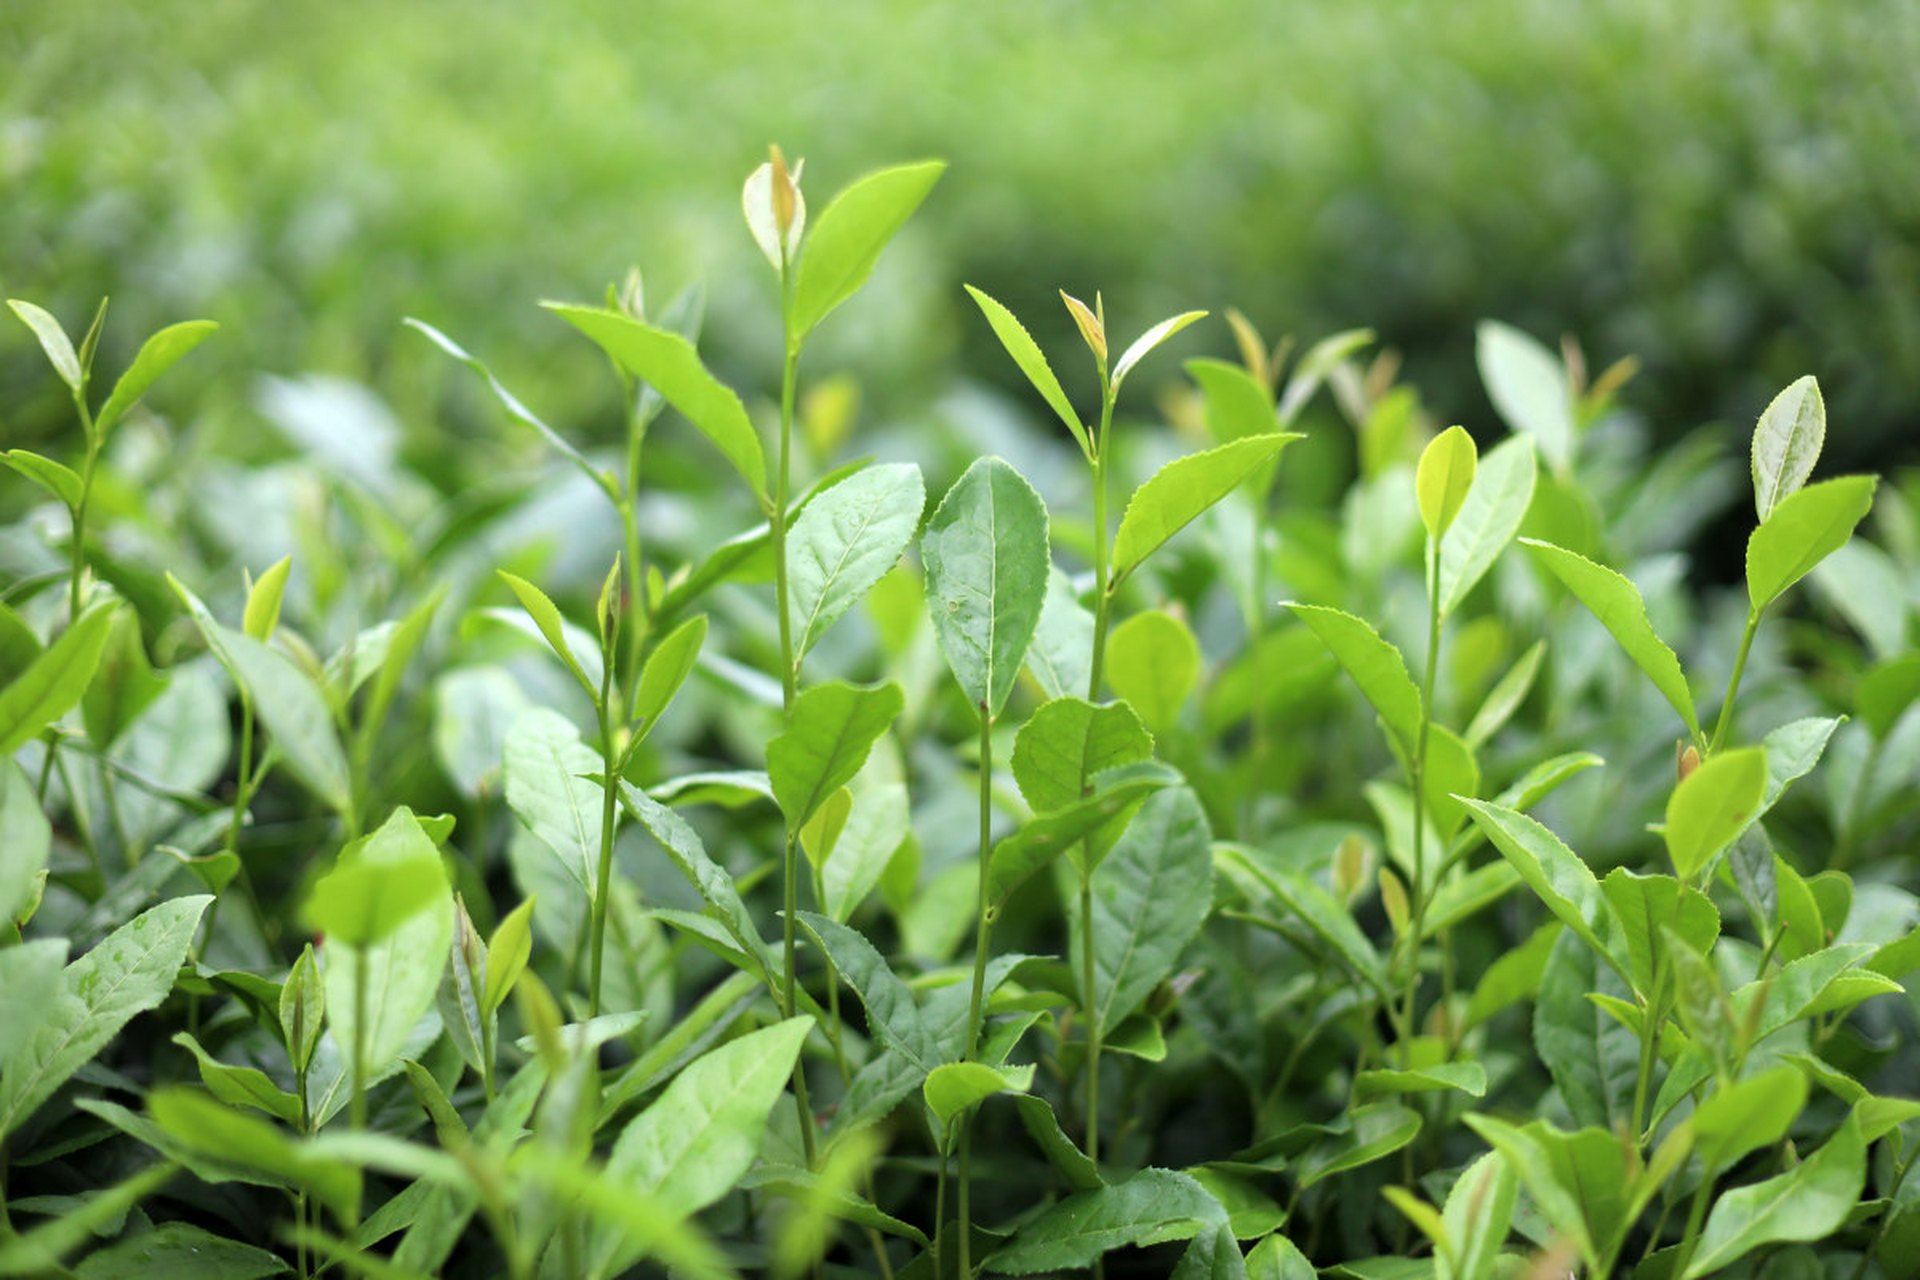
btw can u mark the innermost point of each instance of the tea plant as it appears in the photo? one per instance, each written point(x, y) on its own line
point(552, 930)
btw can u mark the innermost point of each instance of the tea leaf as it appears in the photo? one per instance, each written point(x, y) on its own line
point(715, 886)
point(845, 541)
point(38, 1252)
point(1591, 1057)
point(55, 478)
point(669, 364)
point(1093, 818)
point(1180, 492)
point(1366, 1134)
point(1373, 664)
point(1528, 385)
point(1469, 1078)
point(54, 682)
point(1444, 477)
point(1808, 1202)
point(1143, 345)
point(26, 839)
point(763, 214)
point(1804, 529)
point(507, 954)
point(200, 1124)
point(1477, 1217)
point(1068, 741)
point(985, 552)
point(1712, 805)
point(1152, 1207)
point(1153, 662)
point(1238, 405)
point(1488, 518)
point(1616, 602)
point(53, 340)
point(832, 729)
point(1645, 906)
point(1027, 354)
point(1314, 906)
point(241, 1086)
point(546, 789)
point(1554, 872)
point(1748, 1114)
point(1150, 896)
point(129, 972)
point(158, 354)
point(180, 1251)
point(379, 883)
point(666, 669)
point(954, 1087)
point(848, 236)
point(1061, 657)
point(1786, 443)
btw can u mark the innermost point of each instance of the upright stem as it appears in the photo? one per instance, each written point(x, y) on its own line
point(1420, 886)
point(359, 1114)
point(603, 877)
point(1696, 1215)
point(1096, 677)
point(790, 993)
point(1733, 683)
point(86, 500)
point(789, 675)
point(980, 946)
point(636, 568)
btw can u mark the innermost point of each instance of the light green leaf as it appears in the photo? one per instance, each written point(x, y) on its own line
point(1786, 443)
point(877, 824)
point(1366, 1134)
point(1804, 529)
point(157, 355)
point(703, 1133)
point(1237, 404)
point(53, 340)
point(1642, 907)
point(1094, 817)
point(379, 883)
point(262, 613)
point(1528, 385)
point(1278, 1258)
point(56, 679)
point(669, 364)
point(28, 970)
point(845, 541)
point(1316, 366)
point(1033, 362)
point(56, 478)
point(1373, 664)
point(1143, 345)
point(180, 1251)
point(1617, 603)
point(1061, 658)
point(1067, 742)
point(1152, 1207)
point(507, 954)
point(832, 729)
point(202, 1125)
point(1150, 896)
point(124, 684)
point(546, 616)
point(129, 972)
point(1554, 872)
point(666, 669)
point(954, 1087)
point(303, 1008)
point(241, 1086)
point(1181, 491)
point(1469, 1078)
point(1712, 805)
point(985, 552)
point(26, 839)
point(1153, 661)
point(1808, 1202)
point(1748, 1114)
point(1477, 1216)
point(1444, 477)
point(1488, 518)
point(1214, 1254)
point(1531, 1160)
point(545, 761)
point(849, 234)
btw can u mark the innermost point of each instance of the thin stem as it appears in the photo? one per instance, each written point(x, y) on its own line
point(982, 941)
point(359, 1113)
point(79, 548)
point(790, 994)
point(1102, 589)
point(1090, 1015)
point(1733, 683)
point(603, 877)
point(1651, 1018)
point(777, 524)
point(1696, 1215)
point(637, 610)
point(1419, 777)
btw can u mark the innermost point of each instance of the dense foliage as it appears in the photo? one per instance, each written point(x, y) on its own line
point(1283, 836)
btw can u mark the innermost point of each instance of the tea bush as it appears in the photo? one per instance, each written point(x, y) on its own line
point(1291, 837)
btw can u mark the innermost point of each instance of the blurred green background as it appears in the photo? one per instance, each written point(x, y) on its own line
point(1727, 189)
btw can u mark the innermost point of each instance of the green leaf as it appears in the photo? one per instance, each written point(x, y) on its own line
point(1237, 404)
point(241, 1086)
point(985, 552)
point(55, 478)
point(1713, 805)
point(123, 684)
point(507, 954)
point(1043, 1126)
point(1804, 529)
point(1214, 1254)
point(1884, 692)
point(669, 364)
point(130, 971)
point(1642, 907)
point(303, 1008)
point(1095, 817)
point(1177, 494)
point(1373, 664)
point(1067, 742)
point(180, 1251)
point(1143, 345)
point(1808, 1202)
point(703, 1132)
point(262, 613)
point(893, 1015)
point(1530, 1157)
point(1488, 518)
point(546, 616)
point(1469, 1078)
point(1477, 1217)
point(519, 412)
point(1786, 443)
point(1316, 366)
point(1150, 896)
point(37, 1252)
point(53, 340)
point(1307, 901)
point(849, 234)
point(1027, 354)
point(832, 729)
point(1748, 1114)
point(157, 355)
point(1367, 1133)
point(1554, 872)
point(1591, 1057)
point(545, 761)
point(26, 839)
point(845, 541)
point(954, 1087)
point(379, 883)
point(1443, 479)
point(1152, 1207)
point(28, 970)
point(666, 669)
point(55, 681)
point(1528, 385)
point(1617, 603)
point(1061, 658)
point(1278, 1258)
point(1153, 661)
point(200, 1124)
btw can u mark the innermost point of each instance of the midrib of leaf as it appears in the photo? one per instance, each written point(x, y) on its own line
point(839, 567)
point(814, 799)
point(92, 1007)
point(737, 1086)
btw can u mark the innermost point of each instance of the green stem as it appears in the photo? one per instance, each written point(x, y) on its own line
point(777, 524)
point(1651, 1018)
point(1102, 589)
point(359, 1113)
point(1419, 778)
point(790, 993)
point(637, 610)
point(79, 548)
point(1091, 1016)
point(982, 940)
point(603, 876)
point(1733, 683)
point(1696, 1215)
